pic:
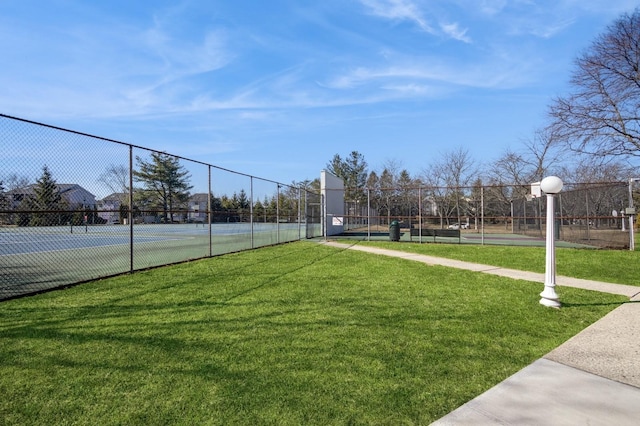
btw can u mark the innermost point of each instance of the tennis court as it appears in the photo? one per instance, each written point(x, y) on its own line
point(39, 258)
point(37, 240)
point(466, 237)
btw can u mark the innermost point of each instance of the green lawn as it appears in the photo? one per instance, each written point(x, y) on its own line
point(294, 334)
point(614, 266)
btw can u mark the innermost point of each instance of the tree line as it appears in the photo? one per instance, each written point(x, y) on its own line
point(163, 193)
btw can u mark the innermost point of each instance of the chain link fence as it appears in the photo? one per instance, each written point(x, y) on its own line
point(65, 214)
point(589, 215)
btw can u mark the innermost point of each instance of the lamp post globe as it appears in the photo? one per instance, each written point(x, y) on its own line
point(551, 185)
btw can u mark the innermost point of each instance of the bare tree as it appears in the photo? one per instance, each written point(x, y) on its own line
point(510, 167)
point(15, 181)
point(531, 164)
point(602, 116)
point(437, 191)
point(460, 170)
point(392, 166)
point(541, 155)
point(390, 187)
point(455, 171)
point(116, 178)
point(597, 170)
point(597, 188)
point(513, 172)
point(460, 167)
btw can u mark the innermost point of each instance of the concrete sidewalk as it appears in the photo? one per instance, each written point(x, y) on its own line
point(591, 379)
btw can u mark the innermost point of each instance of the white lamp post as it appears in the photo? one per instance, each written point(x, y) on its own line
point(550, 185)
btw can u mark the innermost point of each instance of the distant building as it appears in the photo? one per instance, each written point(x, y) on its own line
point(429, 206)
point(197, 207)
point(76, 196)
point(109, 209)
point(73, 198)
point(109, 206)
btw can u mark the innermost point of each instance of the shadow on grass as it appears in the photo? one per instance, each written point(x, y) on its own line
point(283, 274)
point(578, 305)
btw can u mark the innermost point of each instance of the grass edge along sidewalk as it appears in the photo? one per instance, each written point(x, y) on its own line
point(299, 333)
point(611, 266)
point(629, 291)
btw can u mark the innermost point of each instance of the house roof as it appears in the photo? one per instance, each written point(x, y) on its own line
point(199, 197)
point(116, 196)
point(62, 188)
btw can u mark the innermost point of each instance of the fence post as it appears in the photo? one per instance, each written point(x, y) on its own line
point(586, 196)
point(323, 214)
point(524, 213)
point(130, 215)
point(632, 243)
point(419, 216)
point(209, 215)
point(368, 214)
point(251, 209)
point(512, 218)
point(299, 213)
point(558, 228)
point(278, 213)
point(482, 215)
point(306, 213)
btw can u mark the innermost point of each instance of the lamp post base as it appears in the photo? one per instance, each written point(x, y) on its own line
point(549, 297)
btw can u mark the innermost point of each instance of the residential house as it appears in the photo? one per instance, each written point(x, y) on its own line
point(76, 196)
point(197, 207)
point(109, 206)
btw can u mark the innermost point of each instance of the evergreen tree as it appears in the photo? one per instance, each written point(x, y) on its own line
point(259, 212)
point(166, 183)
point(243, 200)
point(46, 201)
point(353, 171)
point(408, 194)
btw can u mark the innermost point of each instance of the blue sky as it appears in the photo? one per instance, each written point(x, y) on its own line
point(276, 88)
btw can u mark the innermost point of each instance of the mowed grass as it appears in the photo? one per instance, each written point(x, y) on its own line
point(613, 266)
point(296, 334)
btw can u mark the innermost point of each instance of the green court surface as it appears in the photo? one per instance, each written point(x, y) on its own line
point(466, 237)
point(36, 259)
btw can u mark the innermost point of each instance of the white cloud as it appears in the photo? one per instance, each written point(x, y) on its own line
point(399, 10)
point(550, 29)
point(545, 18)
point(410, 89)
point(408, 10)
point(454, 31)
point(115, 69)
point(492, 7)
point(162, 66)
point(434, 72)
point(188, 56)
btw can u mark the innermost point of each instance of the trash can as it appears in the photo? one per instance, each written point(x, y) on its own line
point(394, 231)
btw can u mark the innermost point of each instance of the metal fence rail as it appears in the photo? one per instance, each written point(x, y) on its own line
point(65, 214)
